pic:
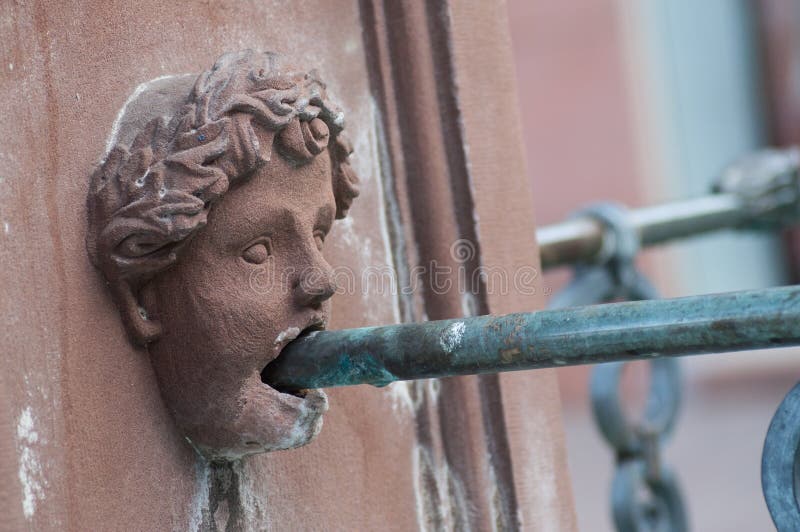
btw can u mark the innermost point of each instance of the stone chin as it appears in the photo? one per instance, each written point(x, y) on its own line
point(245, 418)
point(294, 421)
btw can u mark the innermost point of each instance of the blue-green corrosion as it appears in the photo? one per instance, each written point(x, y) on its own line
point(347, 369)
point(564, 337)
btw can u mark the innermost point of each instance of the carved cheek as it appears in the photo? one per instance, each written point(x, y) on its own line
point(220, 304)
point(264, 306)
point(254, 308)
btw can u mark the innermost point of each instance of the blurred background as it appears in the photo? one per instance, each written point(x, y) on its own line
point(641, 102)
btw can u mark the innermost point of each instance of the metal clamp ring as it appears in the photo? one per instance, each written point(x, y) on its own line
point(621, 240)
point(614, 275)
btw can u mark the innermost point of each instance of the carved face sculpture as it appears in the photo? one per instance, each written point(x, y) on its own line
point(210, 232)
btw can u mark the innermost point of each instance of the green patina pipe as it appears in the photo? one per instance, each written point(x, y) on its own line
point(582, 335)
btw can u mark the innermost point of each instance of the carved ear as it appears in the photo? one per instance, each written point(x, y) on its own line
point(345, 180)
point(139, 326)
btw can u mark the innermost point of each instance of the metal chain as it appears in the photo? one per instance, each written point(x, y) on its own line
point(644, 492)
point(780, 464)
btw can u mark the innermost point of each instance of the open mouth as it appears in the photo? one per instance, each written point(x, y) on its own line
point(284, 339)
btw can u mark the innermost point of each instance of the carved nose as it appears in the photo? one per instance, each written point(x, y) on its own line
point(314, 287)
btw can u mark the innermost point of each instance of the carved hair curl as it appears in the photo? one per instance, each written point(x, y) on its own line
point(145, 201)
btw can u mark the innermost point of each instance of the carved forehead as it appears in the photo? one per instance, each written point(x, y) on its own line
point(278, 193)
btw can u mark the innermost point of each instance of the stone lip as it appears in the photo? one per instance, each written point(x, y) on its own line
point(284, 339)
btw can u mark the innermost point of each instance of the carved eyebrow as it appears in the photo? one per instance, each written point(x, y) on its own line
point(256, 221)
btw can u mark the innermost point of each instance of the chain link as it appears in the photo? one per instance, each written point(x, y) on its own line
point(780, 464)
point(644, 492)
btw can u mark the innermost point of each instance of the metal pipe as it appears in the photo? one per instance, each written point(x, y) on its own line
point(581, 335)
point(680, 219)
point(581, 239)
point(760, 190)
point(578, 239)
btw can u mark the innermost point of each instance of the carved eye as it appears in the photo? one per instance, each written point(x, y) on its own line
point(258, 252)
point(319, 239)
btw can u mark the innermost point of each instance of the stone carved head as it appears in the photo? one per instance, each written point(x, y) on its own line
point(208, 226)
